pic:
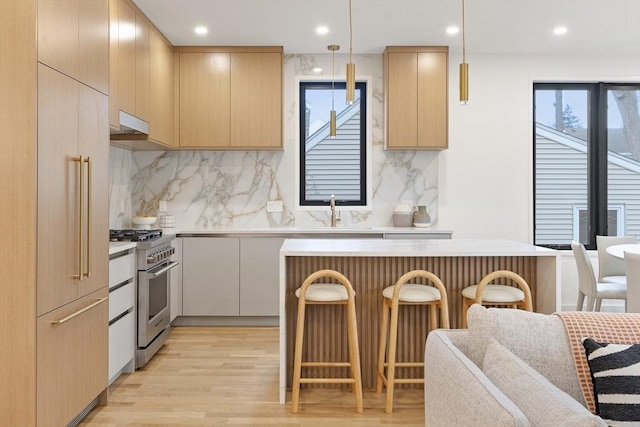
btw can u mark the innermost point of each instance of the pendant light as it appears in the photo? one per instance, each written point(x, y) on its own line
point(332, 120)
point(351, 67)
point(464, 69)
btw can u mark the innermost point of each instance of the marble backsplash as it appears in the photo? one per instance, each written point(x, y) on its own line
point(210, 189)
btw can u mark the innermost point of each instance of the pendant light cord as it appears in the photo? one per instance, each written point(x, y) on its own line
point(463, 43)
point(350, 33)
point(333, 77)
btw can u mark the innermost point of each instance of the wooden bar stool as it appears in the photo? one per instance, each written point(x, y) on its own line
point(403, 293)
point(486, 293)
point(327, 293)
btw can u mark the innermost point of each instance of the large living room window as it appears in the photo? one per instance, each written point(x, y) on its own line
point(332, 166)
point(587, 162)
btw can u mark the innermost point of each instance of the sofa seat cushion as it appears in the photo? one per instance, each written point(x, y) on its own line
point(541, 402)
point(615, 369)
point(495, 293)
point(540, 340)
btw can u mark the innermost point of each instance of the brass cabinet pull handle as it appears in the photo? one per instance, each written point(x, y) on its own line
point(88, 249)
point(79, 312)
point(80, 274)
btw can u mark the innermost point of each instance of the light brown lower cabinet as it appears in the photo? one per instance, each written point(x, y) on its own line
point(72, 358)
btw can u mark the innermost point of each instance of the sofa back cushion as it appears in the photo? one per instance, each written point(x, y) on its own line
point(457, 393)
point(540, 340)
point(541, 402)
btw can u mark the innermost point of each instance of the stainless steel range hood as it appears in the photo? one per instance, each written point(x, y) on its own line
point(131, 128)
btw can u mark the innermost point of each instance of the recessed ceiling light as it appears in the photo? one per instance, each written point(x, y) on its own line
point(322, 30)
point(559, 31)
point(317, 70)
point(200, 30)
point(453, 30)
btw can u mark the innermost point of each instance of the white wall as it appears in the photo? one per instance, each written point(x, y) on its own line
point(485, 177)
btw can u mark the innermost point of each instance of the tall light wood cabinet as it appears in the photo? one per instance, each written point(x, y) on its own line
point(72, 122)
point(54, 326)
point(416, 97)
point(72, 38)
point(18, 163)
point(230, 98)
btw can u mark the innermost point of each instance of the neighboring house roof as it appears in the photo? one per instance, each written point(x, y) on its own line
point(332, 165)
point(581, 145)
point(561, 189)
point(321, 134)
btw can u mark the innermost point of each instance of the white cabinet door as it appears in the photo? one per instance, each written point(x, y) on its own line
point(210, 276)
point(175, 294)
point(259, 272)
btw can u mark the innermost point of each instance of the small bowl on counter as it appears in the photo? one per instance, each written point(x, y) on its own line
point(142, 222)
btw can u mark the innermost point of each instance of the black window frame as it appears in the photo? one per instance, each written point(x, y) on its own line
point(597, 150)
point(327, 85)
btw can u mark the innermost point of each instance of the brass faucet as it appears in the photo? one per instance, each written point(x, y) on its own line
point(332, 205)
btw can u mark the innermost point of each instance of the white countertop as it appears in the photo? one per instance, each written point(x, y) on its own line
point(315, 230)
point(417, 247)
point(115, 247)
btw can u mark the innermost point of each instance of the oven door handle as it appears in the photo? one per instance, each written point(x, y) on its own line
point(163, 270)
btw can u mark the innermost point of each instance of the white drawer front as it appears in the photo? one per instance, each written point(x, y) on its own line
point(121, 300)
point(121, 344)
point(121, 269)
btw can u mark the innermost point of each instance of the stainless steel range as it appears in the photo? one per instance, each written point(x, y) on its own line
point(153, 260)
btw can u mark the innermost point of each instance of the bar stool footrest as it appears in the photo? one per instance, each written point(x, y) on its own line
point(406, 365)
point(327, 380)
point(325, 364)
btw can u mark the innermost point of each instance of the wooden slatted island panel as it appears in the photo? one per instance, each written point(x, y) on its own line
point(371, 265)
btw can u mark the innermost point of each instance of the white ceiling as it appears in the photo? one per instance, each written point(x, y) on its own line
point(492, 26)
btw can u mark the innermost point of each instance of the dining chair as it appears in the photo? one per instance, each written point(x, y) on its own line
point(588, 286)
point(610, 268)
point(632, 266)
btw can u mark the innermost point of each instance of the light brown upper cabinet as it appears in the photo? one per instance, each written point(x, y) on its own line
point(142, 68)
point(126, 58)
point(114, 62)
point(72, 38)
point(161, 94)
point(133, 62)
point(256, 100)
point(416, 97)
point(204, 100)
point(230, 98)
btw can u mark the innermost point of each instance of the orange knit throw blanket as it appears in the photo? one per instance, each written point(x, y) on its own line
point(618, 328)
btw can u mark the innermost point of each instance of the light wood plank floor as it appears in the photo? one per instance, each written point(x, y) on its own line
point(215, 376)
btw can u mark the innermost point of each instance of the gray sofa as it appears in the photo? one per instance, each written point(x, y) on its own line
point(509, 368)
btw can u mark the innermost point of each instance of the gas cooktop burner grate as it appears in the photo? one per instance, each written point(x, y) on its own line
point(130, 235)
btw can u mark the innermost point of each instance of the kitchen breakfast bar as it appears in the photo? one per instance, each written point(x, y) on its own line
point(373, 264)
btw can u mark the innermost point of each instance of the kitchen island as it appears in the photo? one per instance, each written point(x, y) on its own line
point(371, 265)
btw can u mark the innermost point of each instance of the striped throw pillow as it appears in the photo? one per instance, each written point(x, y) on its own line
point(615, 372)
